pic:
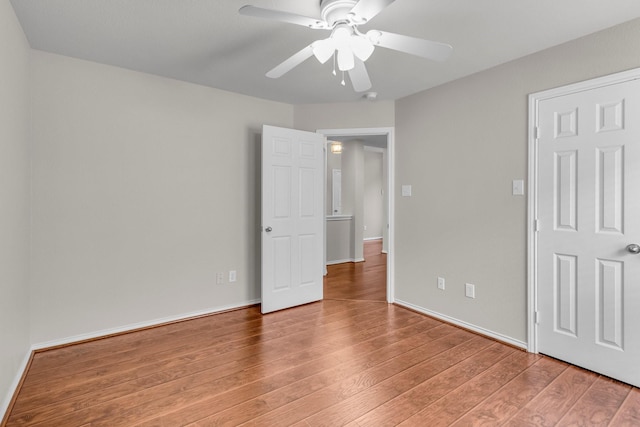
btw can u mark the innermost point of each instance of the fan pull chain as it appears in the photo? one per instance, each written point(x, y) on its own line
point(334, 64)
point(342, 82)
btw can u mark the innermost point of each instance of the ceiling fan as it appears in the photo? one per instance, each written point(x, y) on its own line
point(346, 44)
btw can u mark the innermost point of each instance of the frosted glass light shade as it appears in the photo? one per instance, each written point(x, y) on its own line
point(361, 47)
point(323, 49)
point(346, 61)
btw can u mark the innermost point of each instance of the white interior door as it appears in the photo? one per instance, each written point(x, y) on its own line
point(292, 217)
point(588, 280)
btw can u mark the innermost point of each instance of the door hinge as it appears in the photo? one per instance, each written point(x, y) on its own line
point(537, 317)
point(536, 225)
point(536, 132)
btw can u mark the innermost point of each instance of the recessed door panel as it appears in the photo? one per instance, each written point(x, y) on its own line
point(566, 294)
point(610, 116)
point(308, 197)
point(609, 303)
point(566, 123)
point(281, 192)
point(308, 260)
point(566, 195)
point(609, 198)
point(282, 262)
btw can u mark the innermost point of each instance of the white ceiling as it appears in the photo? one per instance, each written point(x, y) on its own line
point(207, 42)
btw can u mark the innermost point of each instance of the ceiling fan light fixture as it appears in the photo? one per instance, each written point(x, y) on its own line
point(346, 60)
point(342, 33)
point(361, 47)
point(323, 49)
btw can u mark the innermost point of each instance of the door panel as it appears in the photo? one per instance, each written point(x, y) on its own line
point(292, 217)
point(588, 284)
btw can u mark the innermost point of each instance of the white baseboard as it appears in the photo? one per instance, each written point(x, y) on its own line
point(14, 385)
point(465, 325)
point(134, 326)
point(343, 261)
point(340, 261)
point(366, 239)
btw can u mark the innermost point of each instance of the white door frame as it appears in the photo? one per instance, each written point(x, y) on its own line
point(389, 133)
point(532, 198)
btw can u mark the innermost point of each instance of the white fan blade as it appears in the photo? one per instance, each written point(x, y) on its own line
point(278, 15)
point(359, 77)
point(290, 63)
point(365, 10)
point(414, 46)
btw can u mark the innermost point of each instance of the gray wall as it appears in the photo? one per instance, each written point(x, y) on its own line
point(14, 202)
point(353, 192)
point(460, 145)
point(339, 240)
point(362, 114)
point(373, 195)
point(143, 189)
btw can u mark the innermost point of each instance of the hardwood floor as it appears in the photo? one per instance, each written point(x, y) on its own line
point(336, 362)
point(362, 280)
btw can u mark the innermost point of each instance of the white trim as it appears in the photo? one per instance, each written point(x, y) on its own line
point(366, 239)
point(390, 133)
point(133, 326)
point(532, 242)
point(324, 209)
point(532, 197)
point(13, 388)
point(339, 217)
point(344, 261)
point(482, 331)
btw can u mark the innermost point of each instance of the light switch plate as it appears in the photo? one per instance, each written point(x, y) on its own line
point(406, 191)
point(518, 187)
point(470, 290)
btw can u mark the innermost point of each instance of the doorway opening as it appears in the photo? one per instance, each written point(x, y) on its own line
point(359, 208)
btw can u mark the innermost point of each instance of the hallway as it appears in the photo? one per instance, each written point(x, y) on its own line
point(365, 281)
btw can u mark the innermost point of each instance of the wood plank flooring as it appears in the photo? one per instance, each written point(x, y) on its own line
point(337, 362)
point(361, 280)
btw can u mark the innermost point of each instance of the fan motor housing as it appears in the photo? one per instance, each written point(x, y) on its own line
point(334, 11)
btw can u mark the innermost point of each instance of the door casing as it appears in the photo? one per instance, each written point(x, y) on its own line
point(532, 197)
point(389, 132)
